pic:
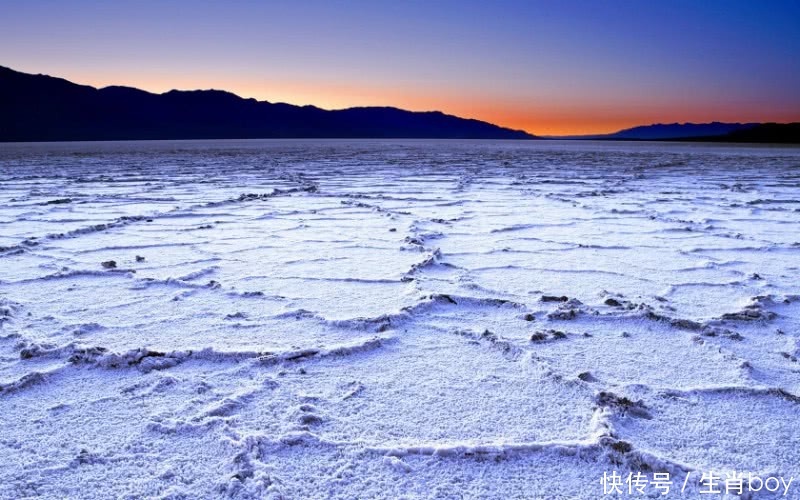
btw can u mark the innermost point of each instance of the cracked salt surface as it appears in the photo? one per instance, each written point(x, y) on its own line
point(415, 319)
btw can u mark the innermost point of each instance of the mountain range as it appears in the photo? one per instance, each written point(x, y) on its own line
point(661, 131)
point(45, 108)
point(703, 132)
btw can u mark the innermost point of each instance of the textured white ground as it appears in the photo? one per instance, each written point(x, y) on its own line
point(394, 319)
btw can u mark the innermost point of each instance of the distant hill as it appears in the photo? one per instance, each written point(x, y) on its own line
point(787, 133)
point(44, 108)
point(680, 130)
point(661, 131)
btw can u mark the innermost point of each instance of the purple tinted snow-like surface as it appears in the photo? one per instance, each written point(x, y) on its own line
point(299, 319)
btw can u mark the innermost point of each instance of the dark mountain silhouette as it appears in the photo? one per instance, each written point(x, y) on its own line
point(680, 130)
point(786, 133)
point(662, 131)
point(44, 108)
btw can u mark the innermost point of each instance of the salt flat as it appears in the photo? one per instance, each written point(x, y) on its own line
point(399, 319)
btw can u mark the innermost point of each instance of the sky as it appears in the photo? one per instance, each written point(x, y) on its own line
point(547, 67)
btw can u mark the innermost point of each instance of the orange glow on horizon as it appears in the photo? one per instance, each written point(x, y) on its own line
point(549, 116)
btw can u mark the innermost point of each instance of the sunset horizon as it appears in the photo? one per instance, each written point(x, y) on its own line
point(515, 119)
point(567, 69)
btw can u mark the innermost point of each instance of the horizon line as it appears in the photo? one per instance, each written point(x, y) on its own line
point(587, 135)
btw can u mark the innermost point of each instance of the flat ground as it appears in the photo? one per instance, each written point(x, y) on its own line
point(395, 319)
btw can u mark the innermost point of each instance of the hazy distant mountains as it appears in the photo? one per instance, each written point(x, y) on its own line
point(676, 130)
point(709, 132)
point(787, 133)
point(44, 108)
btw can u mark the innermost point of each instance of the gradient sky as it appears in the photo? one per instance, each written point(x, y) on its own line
point(548, 67)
